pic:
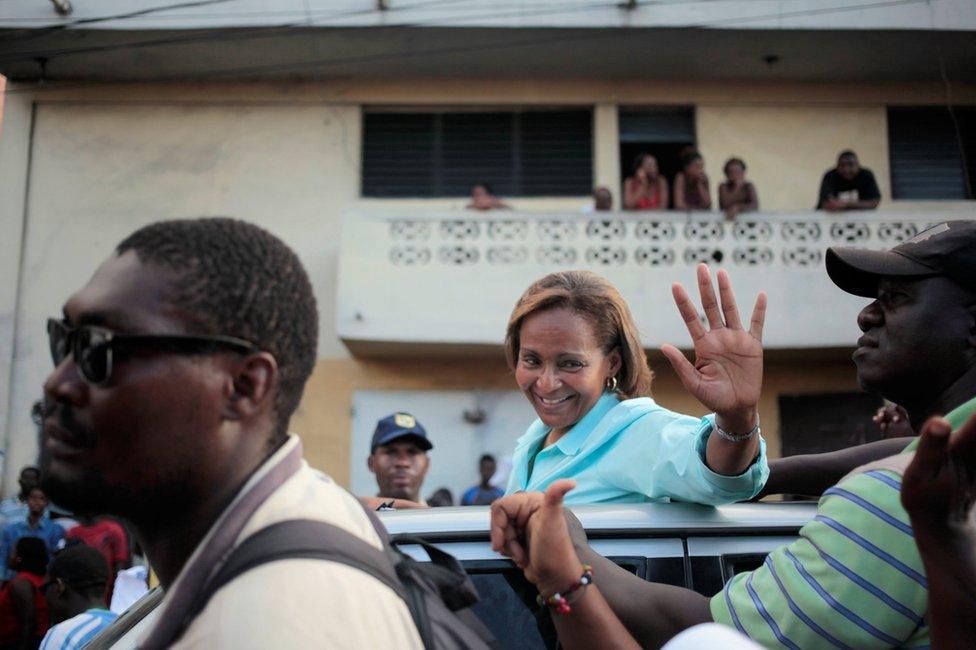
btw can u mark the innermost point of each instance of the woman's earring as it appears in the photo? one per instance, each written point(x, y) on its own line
point(611, 384)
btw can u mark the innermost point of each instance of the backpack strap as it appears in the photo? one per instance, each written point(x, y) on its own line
point(300, 539)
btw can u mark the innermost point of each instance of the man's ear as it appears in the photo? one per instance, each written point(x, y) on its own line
point(371, 463)
point(252, 386)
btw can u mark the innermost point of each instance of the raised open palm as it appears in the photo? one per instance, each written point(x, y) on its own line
point(727, 374)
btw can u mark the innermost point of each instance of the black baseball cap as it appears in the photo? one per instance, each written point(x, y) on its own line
point(947, 249)
point(396, 426)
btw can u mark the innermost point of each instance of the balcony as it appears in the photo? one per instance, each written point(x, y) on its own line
point(411, 281)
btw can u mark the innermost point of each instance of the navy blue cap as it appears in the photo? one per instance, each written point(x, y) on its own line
point(396, 426)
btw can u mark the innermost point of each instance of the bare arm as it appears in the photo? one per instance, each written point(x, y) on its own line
point(532, 530)
point(22, 598)
point(662, 188)
point(373, 503)
point(869, 204)
point(679, 192)
point(651, 612)
point(938, 491)
point(727, 374)
point(753, 204)
point(704, 193)
point(811, 474)
point(724, 200)
point(631, 193)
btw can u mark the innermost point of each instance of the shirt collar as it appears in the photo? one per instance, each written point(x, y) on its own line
point(573, 439)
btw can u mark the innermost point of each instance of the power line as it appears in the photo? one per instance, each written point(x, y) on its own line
point(590, 34)
point(132, 14)
point(229, 34)
point(220, 34)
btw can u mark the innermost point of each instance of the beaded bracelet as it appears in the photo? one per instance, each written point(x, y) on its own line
point(559, 599)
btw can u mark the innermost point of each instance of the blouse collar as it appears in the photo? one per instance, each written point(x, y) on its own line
point(569, 444)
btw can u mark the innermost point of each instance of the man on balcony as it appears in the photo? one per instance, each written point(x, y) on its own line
point(848, 186)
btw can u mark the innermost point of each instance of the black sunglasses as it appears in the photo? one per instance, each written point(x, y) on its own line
point(93, 347)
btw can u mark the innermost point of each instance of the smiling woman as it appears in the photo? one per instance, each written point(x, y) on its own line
point(578, 359)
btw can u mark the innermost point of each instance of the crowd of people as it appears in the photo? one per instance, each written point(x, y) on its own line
point(59, 573)
point(180, 362)
point(846, 186)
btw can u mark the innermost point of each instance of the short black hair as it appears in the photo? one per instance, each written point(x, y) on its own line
point(31, 468)
point(81, 568)
point(32, 552)
point(846, 153)
point(733, 161)
point(237, 279)
point(485, 457)
point(689, 158)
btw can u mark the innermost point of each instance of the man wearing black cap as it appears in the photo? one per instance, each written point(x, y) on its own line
point(398, 457)
point(855, 576)
point(75, 592)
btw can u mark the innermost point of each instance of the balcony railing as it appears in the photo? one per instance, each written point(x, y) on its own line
point(453, 278)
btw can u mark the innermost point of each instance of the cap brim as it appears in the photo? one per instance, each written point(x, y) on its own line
point(421, 441)
point(857, 270)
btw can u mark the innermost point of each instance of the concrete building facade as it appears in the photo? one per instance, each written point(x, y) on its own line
point(137, 119)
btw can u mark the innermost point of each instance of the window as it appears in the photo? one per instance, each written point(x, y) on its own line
point(930, 157)
point(518, 153)
point(508, 606)
point(663, 132)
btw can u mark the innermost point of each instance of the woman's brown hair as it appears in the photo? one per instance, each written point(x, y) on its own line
point(595, 299)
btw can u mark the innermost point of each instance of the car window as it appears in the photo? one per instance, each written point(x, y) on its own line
point(508, 606)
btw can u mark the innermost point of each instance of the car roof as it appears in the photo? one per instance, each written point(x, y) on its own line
point(644, 519)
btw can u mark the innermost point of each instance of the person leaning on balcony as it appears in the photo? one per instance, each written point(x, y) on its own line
point(483, 198)
point(647, 189)
point(848, 186)
point(691, 190)
point(577, 357)
point(736, 194)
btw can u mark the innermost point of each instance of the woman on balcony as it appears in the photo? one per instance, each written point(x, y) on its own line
point(736, 194)
point(691, 190)
point(646, 189)
point(577, 357)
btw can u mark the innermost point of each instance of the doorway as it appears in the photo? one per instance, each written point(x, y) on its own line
point(663, 132)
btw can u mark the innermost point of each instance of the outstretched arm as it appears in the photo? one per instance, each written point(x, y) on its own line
point(938, 491)
point(811, 474)
point(532, 530)
point(727, 374)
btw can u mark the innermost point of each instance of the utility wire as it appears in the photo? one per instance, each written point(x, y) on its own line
point(132, 14)
point(221, 34)
point(229, 34)
point(588, 34)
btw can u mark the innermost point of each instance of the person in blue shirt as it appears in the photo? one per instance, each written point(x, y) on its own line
point(14, 508)
point(483, 493)
point(35, 524)
point(577, 357)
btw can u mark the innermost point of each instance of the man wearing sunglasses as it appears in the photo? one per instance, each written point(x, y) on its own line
point(177, 369)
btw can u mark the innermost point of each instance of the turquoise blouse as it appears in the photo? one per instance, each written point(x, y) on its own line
point(629, 452)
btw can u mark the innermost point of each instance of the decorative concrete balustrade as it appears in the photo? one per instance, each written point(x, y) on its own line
point(453, 278)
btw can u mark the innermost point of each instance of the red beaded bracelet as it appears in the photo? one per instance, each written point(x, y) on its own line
point(559, 599)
